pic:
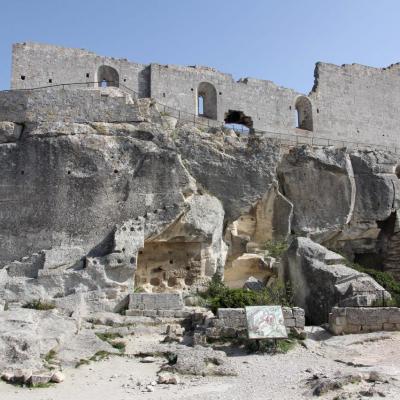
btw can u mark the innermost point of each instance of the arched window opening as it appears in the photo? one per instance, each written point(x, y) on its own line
point(207, 100)
point(238, 121)
point(200, 105)
point(107, 76)
point(304, 113)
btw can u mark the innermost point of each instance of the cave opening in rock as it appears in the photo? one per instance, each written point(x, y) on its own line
point(168, 266)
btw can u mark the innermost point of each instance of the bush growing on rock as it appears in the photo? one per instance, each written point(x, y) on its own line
point(275, 248)
point(39, 305)
point(218, 295)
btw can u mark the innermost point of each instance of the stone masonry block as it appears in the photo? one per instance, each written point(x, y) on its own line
point(134, 313)
point(156, 301)
point(166, 313)
point(290, 322)
point(300, 322)
point(287, 312)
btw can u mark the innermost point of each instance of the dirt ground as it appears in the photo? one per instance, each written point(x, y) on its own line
point(260, 377)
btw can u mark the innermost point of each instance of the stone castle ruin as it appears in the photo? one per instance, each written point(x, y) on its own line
point(118, 176)
point(126, 188)
point(348, 104)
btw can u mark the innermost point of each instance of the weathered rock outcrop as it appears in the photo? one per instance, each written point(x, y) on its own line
point(320, 280)
point(346, 200)
point(88, 203)
point(91, 209)
point(29, 337)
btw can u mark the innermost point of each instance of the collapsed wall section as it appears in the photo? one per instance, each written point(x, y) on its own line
point(269, 106)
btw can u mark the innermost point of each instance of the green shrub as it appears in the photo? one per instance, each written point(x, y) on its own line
point(270, 346)
point(110, 338)
point(119, 346)
point(42, 385)
point(218, 295)
point(82, 361)
point(39, 305)
point(50, 356)
point(276, 248)
point(100, 355)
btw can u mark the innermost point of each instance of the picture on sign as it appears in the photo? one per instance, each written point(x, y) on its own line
point(265, 322)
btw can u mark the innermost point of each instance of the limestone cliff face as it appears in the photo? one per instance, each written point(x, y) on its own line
point(92, 209)
point(346, 200)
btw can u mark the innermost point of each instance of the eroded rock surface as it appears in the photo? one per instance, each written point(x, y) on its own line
point(320, 280)
point(29, 337)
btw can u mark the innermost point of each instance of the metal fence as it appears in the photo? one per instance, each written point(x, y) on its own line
point(284, 139)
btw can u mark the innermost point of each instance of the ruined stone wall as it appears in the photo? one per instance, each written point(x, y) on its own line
point(232, 323)
point(70, 105)
point(270, 107)
point(364, 319)
point(351, 103)
point(36, 65)
point(358, 103)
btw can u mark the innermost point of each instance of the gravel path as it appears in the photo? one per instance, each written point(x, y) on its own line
point(260, 377)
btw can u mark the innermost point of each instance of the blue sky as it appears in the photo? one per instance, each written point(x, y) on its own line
point(278, 40)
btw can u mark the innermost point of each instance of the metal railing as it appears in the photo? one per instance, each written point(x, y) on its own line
point(283, 139)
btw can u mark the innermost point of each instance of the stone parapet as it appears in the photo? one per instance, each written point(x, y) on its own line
point(231, 322)
point(344, 320)
point(154, 302)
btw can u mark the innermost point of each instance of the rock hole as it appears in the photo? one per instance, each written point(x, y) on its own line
point(87, 74)
point(115, 171)
point(50, 80)
point(171, 261)
point(22, 172)
point(172, 282)
point(132, 260)
point(119, 261)
point(22, 77)
point(155, 281)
